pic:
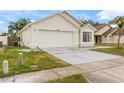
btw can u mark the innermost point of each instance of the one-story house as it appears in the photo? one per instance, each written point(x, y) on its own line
point(13, 41)
point(108, 34)
point(115, 36)
point(99, 34)
point(57, 30)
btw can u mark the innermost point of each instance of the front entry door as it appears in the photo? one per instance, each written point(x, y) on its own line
point(98, 39)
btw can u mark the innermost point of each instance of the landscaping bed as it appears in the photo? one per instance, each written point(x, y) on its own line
point(71, 79)
point(33, 61)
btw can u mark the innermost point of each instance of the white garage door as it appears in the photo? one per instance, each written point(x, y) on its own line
point(55, 39)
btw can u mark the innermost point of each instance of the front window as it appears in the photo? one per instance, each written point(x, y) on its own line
point(87, 36)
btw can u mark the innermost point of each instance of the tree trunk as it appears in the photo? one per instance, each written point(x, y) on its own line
point(119, 37)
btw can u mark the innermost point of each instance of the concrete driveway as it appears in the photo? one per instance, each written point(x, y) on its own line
point(108, 71)
point(96, 66)
point(79, 55)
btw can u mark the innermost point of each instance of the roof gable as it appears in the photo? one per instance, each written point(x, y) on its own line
point(70, 18)
point(88, 25)
point(56, 22)
point(64, 14)
point(102, 30)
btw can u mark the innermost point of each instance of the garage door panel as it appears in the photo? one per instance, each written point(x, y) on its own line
point(55, 39)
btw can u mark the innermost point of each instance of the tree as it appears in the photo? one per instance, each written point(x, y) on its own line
point(3, 34)
point(18, 25)
point(86, 21)
point(119, 21)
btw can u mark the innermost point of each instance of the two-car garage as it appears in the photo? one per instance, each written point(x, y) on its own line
point(54, 38)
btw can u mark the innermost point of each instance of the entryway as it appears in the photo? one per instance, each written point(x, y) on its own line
point(98, 39)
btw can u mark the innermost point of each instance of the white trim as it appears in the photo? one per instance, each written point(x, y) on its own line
point(55, 30)
point(72, 17)
point(70, 21)
point(90, 26)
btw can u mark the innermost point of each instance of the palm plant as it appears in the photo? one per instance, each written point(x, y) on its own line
point(18, 25)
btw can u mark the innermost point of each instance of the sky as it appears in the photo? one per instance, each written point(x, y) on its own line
point(102, 16)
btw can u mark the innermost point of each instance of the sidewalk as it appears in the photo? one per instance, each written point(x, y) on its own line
point(107, 71)
point(42, 76)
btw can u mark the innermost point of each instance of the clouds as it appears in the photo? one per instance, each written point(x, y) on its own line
point(1, 22)
point(102, 16)
point(108, 15)
point(13, 15)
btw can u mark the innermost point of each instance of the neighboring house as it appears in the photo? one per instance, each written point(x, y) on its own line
point(13, 41)
point(3, 41)
point(115, 36)
point(58, 30)
point(107, 34)
point(99, 34)
point(108, 37)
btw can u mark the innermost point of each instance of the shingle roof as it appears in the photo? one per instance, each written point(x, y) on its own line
point(110, 31)
point(101, 29)
point(116, 32)
point(98, 27)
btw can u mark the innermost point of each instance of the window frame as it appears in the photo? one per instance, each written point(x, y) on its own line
point(87, 36)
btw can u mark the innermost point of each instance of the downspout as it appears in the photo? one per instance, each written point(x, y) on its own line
point(79, 40)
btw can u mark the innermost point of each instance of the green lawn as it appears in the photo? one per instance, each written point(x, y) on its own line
point(107, 44)
point(40, 60)
point(71, 79)
point(112, 50)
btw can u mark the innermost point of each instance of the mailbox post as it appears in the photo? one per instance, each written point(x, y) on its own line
point(21, 58)
point(5, 67)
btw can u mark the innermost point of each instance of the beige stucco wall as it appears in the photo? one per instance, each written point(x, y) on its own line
point(25, 37)
point(55, 31)
point(107, 39)
point(54, 23)
point(4, 40)
point(71, 19)
point(115, 39)
point(87, 29)
point(67, 32)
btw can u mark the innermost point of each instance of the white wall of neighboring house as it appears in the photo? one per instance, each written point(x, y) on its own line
point(4, 41)
point(112, 39)
point(107, 39)
point(115, 39)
